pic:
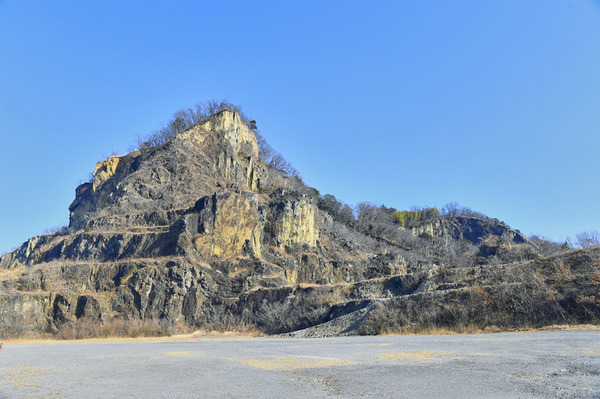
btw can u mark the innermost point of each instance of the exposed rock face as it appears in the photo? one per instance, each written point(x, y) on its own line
point(199, 231)
point(197, 163)
point(228, 225)
point(104, 171)
point(236, 133)
point(172, 232)
point(472, 229)
point(293, 222)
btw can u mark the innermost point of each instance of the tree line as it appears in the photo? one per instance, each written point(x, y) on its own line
point(365, 213)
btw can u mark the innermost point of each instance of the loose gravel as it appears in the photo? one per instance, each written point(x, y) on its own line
point(549, 364)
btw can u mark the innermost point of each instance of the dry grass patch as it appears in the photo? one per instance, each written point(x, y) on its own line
point(180, 354)
point(567, 327)
point(591, 352)
point(294, 363)
point(23, 378)
point(210, 334)
point(12, 274)
point(423, 355)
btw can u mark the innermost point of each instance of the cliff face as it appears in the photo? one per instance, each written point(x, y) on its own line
point(198, 231)
point(203, 160)
point(176, 231)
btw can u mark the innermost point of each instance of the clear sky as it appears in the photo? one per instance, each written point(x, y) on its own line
point(492, 104)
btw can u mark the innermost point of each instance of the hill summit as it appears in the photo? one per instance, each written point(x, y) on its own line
point(202, 231)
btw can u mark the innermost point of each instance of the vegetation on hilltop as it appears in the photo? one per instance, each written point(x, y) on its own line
point(187, 118)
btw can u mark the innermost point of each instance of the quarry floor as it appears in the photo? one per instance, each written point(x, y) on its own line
point(544, 364)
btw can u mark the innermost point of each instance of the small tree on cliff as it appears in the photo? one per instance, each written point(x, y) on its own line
point(587, 239)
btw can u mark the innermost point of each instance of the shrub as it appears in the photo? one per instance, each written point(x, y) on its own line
point(12, 325)
point(455, 209)
point(337, 209)
point(587, 239)
point(410, 218)
point(131, 328)
point(57, 230)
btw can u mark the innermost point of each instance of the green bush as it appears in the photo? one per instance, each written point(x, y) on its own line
point(410, 218)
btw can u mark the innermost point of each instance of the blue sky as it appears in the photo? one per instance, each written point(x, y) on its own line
point(494, 105)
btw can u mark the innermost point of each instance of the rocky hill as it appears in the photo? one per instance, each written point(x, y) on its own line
point(199, 231)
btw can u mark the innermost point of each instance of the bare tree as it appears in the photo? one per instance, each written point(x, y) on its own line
point(184, 119)
point(456, 209)
point(366, 213)
point(588, 239)
point(279, 163)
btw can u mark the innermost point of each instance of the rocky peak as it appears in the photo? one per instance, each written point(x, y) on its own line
point(229, 127)
point(221, 151)
point(104, 170)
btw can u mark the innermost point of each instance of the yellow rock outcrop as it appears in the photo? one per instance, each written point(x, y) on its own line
point(228, 125)
point(235, 131)
point(236, 228)
point(296, 224)
point(104, 170)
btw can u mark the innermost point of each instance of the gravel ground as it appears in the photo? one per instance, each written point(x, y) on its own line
point(562, 364)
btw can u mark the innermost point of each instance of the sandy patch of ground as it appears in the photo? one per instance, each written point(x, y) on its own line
point(24, 378)
point(415, 355)
point(294, 362)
